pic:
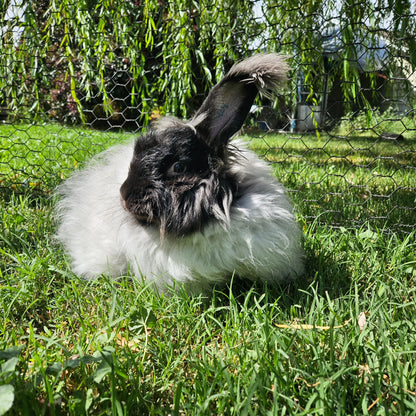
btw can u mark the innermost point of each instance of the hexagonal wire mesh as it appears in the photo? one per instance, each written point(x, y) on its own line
point(80, 76)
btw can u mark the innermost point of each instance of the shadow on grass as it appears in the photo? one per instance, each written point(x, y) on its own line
point(35, 195)
point(324, 276)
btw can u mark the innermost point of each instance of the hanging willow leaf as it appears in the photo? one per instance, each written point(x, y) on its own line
point(73, 57)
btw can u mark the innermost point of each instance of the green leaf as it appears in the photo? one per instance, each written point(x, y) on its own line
point(6, 398)
point(89, 399)
point(75, 362)
point(10, 365)
point(101, 372)
point(368, 235)
point(11, 352)
point(177, 398)
point(142, 318)
point(106, 365)
point(54, 369)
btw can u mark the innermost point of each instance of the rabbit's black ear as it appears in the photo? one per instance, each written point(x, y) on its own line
point(224, 110)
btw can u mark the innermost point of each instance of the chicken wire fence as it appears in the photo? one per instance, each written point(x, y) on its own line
point(79, 76)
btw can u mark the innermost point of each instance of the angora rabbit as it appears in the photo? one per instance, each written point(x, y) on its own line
point(183, 203)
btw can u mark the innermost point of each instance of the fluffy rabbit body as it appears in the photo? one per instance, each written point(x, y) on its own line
point(183, 203)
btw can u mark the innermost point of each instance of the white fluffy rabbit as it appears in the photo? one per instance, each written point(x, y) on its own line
point(183, 204)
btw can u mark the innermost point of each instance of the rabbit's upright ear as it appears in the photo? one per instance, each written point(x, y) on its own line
point(224, 110)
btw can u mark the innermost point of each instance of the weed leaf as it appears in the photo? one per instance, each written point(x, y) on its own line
point(11, 352)
point(6, 398)
point(101, 372)
point(9, 365)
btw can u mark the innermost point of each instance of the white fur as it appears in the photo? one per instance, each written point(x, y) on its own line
point(261, 242)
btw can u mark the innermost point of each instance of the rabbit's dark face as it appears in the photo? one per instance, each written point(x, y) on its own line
point(180, 176)
point(176, 182)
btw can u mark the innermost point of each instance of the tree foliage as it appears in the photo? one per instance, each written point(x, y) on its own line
point(93, 60)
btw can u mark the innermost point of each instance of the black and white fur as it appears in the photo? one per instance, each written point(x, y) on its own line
point(184, 204)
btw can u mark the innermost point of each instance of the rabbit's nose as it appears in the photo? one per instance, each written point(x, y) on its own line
point(125, 190)
point(132, 185)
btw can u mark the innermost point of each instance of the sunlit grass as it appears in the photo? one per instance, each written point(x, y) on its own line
point(340, 340)
point(38, 157)
point(346, 180)
point(116, 347)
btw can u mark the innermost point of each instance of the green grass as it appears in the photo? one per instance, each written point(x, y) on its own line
point(35, 158)
point(346, 180)
point(68, 346)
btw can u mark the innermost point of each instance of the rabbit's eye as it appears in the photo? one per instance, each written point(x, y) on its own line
point(178, 168)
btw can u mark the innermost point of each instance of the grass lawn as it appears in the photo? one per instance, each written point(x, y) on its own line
point(339, 341)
